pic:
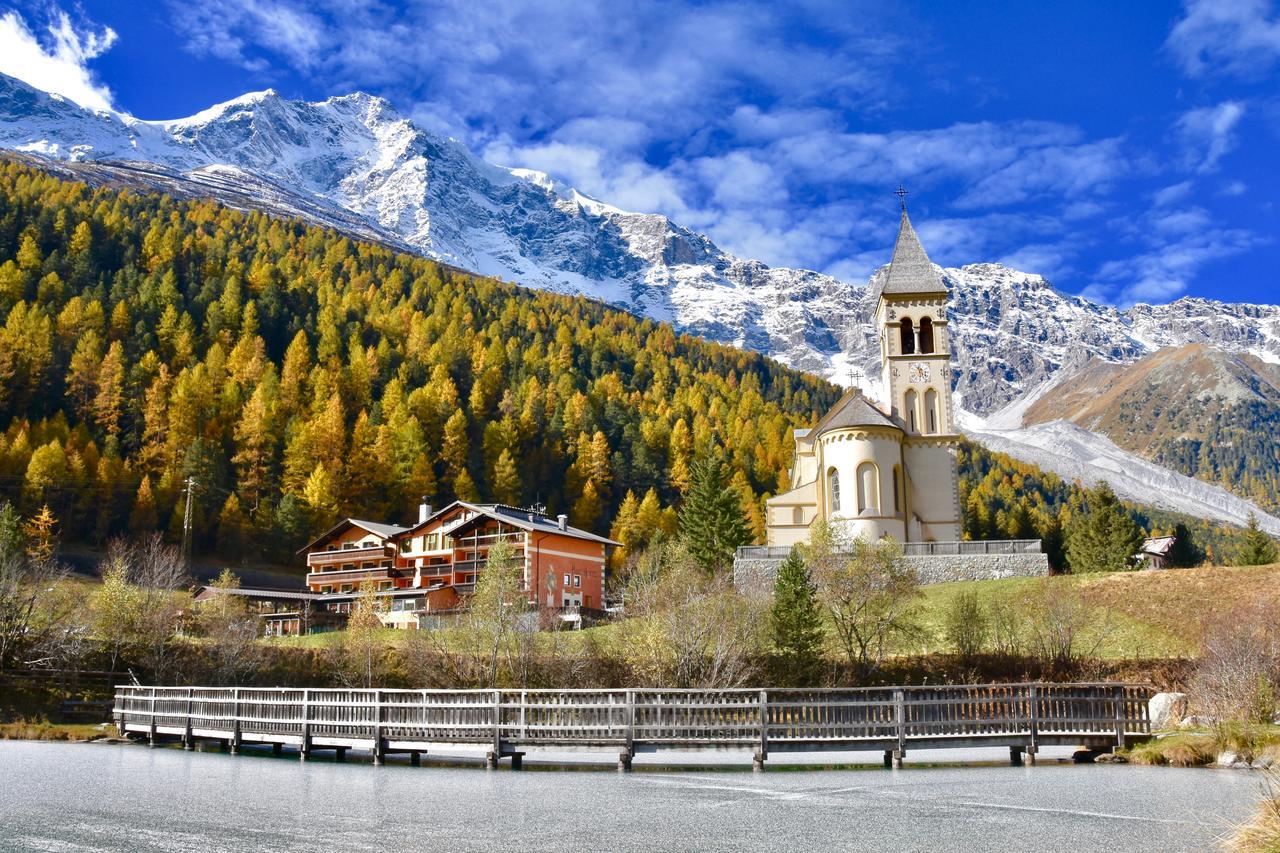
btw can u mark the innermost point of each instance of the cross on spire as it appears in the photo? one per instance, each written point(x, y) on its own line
point(901, 193)
point(855, 377)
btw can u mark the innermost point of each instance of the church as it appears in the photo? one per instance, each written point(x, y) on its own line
point(886, 471)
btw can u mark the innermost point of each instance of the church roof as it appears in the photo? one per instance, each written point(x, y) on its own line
point(911, 271)
point(853, 410)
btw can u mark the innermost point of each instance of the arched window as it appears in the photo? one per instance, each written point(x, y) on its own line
point(833, 484)
point(926, 335)
point(908, 337)
point(897, 489)
point(797, 516)
point(868, 490)
point(910, 411)
point(931, 409)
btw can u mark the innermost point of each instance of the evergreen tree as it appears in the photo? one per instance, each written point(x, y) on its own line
point(1103, 538)
point(1256, 547)
point(796, 623)
point(712, 522)
point(1185, 552)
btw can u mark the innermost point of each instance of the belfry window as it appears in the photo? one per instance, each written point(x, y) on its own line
point(931, 409)
point(910, 405)
point(908, 337)
point(833, 485)
point(926, 335)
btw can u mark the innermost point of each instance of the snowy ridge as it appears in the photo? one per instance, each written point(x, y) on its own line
point(1077, 454)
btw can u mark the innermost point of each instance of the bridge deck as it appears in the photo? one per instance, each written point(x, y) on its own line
point(503, 722)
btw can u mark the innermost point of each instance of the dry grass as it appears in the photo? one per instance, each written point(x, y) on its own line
point(1261, 834)
point(1180, 750)
point(1180, 602)
point(44, 730)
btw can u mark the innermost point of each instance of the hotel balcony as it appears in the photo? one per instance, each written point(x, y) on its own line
point(326, 559)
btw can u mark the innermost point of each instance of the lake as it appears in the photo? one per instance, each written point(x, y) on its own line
point(104, 797)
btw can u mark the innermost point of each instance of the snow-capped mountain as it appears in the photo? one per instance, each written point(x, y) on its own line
point(354, 163)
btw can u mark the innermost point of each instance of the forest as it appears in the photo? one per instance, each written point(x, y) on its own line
point(295, 375)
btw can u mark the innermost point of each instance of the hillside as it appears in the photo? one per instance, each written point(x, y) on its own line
point(1195, 409)
point(295, 374)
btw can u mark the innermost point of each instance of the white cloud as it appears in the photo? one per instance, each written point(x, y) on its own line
point(58, 61)
point(1208, 133)
point(1236, 37)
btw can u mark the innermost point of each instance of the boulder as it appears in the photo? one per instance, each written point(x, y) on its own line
point(1197, 722)
point(1111, 758)
point(1167, 710)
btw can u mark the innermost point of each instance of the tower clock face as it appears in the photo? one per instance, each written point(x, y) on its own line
point(919, 372)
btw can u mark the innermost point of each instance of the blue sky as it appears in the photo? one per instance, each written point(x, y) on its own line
point(1130, 151)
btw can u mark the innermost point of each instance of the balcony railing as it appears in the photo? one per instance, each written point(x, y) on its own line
point(356, 576)
point(914, 549)
point(350, 555)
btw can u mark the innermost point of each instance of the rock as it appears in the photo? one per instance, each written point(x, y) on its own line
point(1227, 758)
point(1111, 758)
point(1263, 762)
point(1167, 710)
point(1196, 722)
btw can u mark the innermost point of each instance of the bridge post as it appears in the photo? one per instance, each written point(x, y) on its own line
point(379, 747)
point(304, 750)
point(900, 717)
point(188, 742)
point(151, 741)
point(235, 720)
point(757, 761)
point(1118, 702)
point(624, 759)
point(1034, 745)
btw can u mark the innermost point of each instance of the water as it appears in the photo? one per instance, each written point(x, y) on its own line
point(100, 797)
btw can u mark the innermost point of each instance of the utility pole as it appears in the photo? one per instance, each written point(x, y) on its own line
point(186, 520)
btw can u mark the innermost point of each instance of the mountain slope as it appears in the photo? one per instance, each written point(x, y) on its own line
point(354, 163)
point(1195, 409)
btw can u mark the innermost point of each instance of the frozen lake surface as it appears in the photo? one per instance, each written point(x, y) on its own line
point(101, 797)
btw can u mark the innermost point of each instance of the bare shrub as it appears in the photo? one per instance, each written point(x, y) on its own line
point(1061, 629)
point(966, 625)
point(1239, 668)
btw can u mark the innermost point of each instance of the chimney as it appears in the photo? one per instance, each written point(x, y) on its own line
point(424, 510)
point(562, 521)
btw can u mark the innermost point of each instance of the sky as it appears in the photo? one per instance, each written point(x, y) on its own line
point(1126, 151)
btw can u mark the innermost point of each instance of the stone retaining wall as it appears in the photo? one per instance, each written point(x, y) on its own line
point(760, 573)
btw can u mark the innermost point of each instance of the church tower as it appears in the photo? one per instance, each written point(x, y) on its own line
point(915, 354)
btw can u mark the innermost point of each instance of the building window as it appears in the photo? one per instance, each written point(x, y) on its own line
point(910, 405)
point(348, 567)
point(833, 485)
point(926, 335)
point(797, 515)
point(566, 579)
point(868, 493)
point(577, 580)
point(931, 409)
point(908, 337)
point(406, 545)
point(897, 489)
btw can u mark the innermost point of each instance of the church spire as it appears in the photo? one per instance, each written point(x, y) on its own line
point(911, 271)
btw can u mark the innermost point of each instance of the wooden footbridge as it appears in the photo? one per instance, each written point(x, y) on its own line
point(505, 723)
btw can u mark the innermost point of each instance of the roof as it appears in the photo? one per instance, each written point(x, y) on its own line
point(910, 270)
point(377, 528)
point(258, 593)
point(521, 517)
point(853, 410)
point(1158, 545)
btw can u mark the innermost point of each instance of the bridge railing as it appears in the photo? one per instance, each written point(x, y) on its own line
point(765, 718)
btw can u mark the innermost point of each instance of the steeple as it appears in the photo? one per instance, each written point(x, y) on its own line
point(910, 271)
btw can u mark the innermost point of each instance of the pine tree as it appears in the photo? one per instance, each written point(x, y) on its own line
point(1103, 538)
point(712, 522)
point(796, 623)
point(1256, 547)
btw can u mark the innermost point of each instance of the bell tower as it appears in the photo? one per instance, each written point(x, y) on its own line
point(915, 357)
